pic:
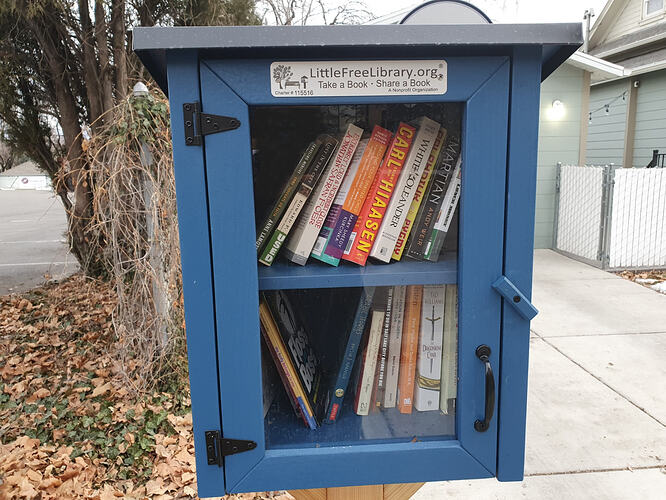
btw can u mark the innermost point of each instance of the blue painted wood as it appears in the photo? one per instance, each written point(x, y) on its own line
point(189, 170)
point(518, 254)
point(515, 297)
point(251, 79)
point(283, 275)
point(231, 208)
point(480, 256)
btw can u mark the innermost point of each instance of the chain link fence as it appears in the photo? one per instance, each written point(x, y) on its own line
point(613, 218)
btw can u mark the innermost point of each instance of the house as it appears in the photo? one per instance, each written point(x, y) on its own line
point(627, 117)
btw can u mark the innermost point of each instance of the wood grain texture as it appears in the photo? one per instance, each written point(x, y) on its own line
point(401, 491)
point(314, 494)
point(372, 492)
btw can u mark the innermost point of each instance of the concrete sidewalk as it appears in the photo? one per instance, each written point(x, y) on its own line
point(596, 424)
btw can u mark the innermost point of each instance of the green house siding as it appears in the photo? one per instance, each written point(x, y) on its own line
point(650, 117)
point(605, 136)
point(559, 141)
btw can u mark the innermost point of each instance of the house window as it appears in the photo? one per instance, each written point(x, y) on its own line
point(652, 7)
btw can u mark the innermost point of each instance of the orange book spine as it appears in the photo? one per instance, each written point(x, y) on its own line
point(374, 207)
point(410, 341)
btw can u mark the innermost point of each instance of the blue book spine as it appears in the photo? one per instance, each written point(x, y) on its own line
point(339, 390)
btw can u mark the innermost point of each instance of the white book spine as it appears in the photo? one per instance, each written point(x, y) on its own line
point(429, 359)
point(370, 362)
point(314, 213)
point(450, 199)
point(403, 194)
point(449, 384)
point(395, 340)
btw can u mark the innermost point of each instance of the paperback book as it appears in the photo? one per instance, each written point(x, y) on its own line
point(409, 347)
point(449, 205)
point(449, 385)
point(429, 360)
point(382, 355)
point(395, 339)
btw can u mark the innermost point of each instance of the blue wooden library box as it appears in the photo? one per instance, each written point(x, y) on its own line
point(246, 102)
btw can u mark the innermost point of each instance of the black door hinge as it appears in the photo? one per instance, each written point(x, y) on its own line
point(198, 124)
point(218, 447)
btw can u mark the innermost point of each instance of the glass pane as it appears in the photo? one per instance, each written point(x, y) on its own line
point(652, 6)
point(357, 239)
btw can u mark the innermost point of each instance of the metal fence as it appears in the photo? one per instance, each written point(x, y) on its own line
point(610, 217)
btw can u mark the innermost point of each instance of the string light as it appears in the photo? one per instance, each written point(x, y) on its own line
point(606, 107)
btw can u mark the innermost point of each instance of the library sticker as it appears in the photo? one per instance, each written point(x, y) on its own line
point(358, 78)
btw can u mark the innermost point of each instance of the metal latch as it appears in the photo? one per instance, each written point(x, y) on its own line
point(218, 447)
point(198, 124)
point(515, 297)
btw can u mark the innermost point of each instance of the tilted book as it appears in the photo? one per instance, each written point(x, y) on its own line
point(418, 195)
point(358, 190)
point(382, 356)
point(368, 222)
point(367, 376)
point(339, 389)
point(396, 211)
point(434, 198)
point(290, 215)
point(441, 226)
point(395, 339)
point(309, 223)
point(449, 384)
point(288, 191)
point(409, 347)
point(429, 359)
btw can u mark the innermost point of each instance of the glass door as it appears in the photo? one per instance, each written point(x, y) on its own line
point(354, 244)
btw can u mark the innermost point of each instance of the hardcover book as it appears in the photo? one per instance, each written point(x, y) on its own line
point(395, 339)
point(346, 217)
point(396, 212)
point(288, 191)
point(308, 183)
point(374, 208)
point(432, 202)
point(409, 347)
point(303, 236)
point(429, 359)
point(418, 195)
point(449, 384)
point(441, 226)
point(367, 375)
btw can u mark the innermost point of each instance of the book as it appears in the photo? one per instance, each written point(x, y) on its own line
point(396, 212)
point(429, 359)
point(284, 365)
point(295, 336)
point(418, 195)
point(308, 182)
point(367, 375)
point(374, 208)
point(449, 384)
point(309, 223)
point(434, 198)
point(395, 339)
point(287, 193)
point(345, 218)
point(339, 388)
point(449, 205)
point(269, 379)
point(382, 356)
point(409, 347)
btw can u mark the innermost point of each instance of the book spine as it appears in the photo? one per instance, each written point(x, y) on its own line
point(449, 384)
point(374, 208)
point(355, 337)
point(418, 195)
point(396, 211)
point(372, 158)
point(429, 359)
point(382, 359)
point(395, 339)
point(434, 198)
point(287, 193)
point(297, 202)
point(336, 208)
point(441, 226)
point(370, 362)
point(409, 347)
point(300, 243)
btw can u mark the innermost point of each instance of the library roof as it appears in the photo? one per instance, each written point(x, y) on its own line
point(559, 41)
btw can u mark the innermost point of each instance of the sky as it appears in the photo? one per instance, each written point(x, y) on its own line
point(511, 11)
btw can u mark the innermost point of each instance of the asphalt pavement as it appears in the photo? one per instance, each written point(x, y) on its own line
point(33, 248)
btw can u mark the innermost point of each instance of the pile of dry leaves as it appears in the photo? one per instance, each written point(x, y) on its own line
point(654, 279)
point(68, 427)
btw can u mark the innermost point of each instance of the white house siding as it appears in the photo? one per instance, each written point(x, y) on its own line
point(559, 141)
point(627, 22)
point(605, 135)
point(650, 117)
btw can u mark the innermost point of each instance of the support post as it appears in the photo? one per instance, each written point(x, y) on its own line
point(372, 492)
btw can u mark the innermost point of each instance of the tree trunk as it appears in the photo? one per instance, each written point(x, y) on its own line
point(103, 51)
point(118, 42)
point(90, 70)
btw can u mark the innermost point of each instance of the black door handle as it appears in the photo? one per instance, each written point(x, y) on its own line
point(483, 353)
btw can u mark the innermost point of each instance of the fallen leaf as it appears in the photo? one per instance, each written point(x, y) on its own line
point(102, 389)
